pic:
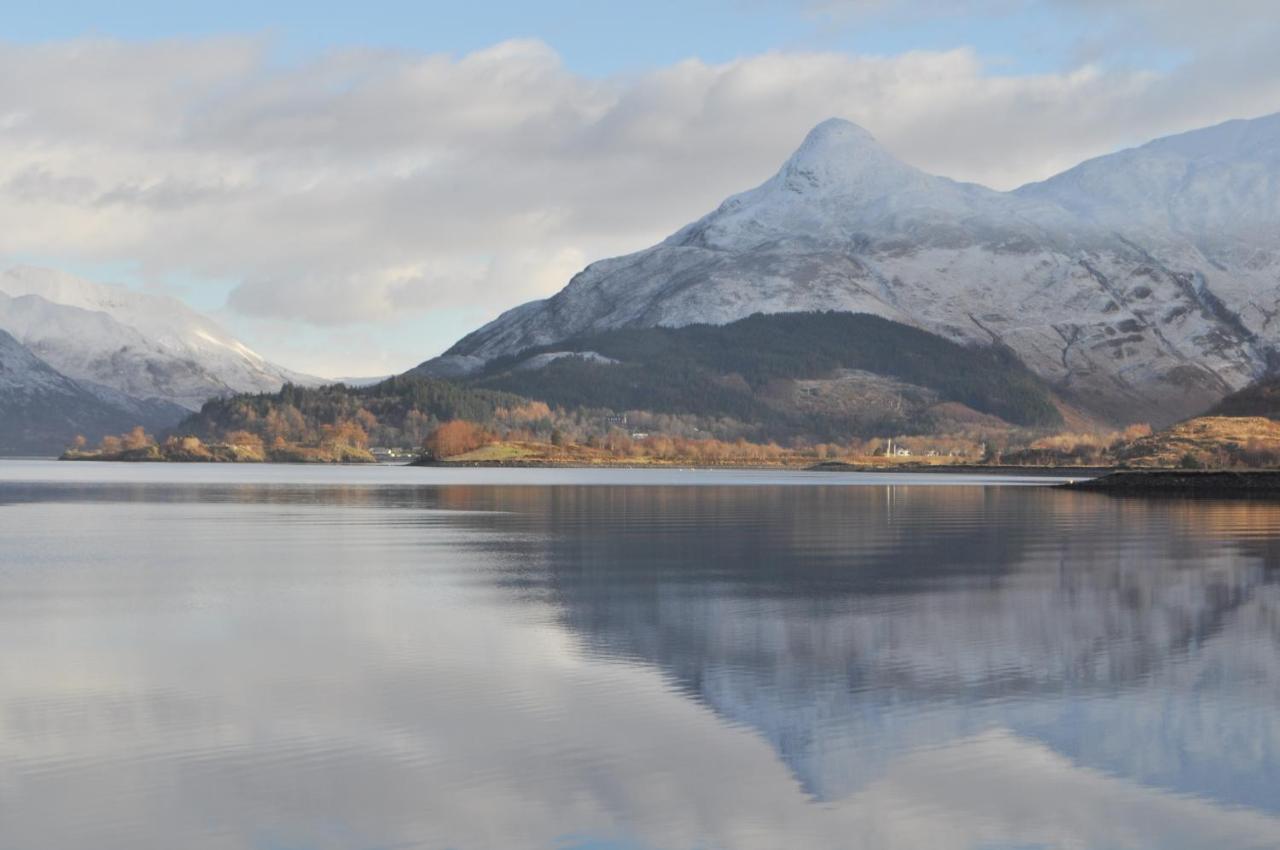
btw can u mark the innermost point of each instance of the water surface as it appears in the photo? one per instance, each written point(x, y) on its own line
point(293, 657)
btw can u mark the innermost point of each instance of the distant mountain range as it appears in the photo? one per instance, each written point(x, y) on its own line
point(1141, 285)
point(146, 346)
point(78, 357)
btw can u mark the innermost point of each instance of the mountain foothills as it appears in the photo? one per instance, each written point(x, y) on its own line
point(1139, 286)
point(816, 376)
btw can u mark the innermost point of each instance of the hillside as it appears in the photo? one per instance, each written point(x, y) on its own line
point(820, 375)
point(1209, 442)
point(1139, 285)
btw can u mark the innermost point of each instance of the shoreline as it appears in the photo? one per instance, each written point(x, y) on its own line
point(824, 466)
point(969, 469)
point(548, 463)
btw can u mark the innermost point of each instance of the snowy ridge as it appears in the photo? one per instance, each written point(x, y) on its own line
point(1143, 285)
point(146, 346)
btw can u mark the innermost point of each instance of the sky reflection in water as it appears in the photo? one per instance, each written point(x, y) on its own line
point(293, 661)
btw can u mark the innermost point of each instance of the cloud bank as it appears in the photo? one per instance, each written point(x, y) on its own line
point(359, 189)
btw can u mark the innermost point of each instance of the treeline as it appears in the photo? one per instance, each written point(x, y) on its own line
point(463, 439)
point(335, 444)
point(734, 370)
point(400, 411)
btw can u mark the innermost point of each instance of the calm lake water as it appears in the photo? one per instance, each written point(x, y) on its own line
point(293, 658)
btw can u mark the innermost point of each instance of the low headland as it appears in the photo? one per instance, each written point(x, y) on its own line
point(1181, 482)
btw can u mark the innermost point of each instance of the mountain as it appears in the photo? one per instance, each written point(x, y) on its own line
point(41, 409)
point(1140, 285)
point(144, 346)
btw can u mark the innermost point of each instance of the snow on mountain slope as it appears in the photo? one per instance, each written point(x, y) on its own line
point(22, 371)
point(1131, 316)
point(145, 346)
point(41, 409)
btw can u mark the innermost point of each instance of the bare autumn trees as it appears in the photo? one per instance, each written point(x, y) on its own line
point(455, 438)
point(344, 433)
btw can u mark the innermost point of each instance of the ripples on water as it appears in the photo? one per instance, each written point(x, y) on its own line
point(342, 658)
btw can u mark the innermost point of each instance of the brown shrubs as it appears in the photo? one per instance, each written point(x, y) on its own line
point(455, 438)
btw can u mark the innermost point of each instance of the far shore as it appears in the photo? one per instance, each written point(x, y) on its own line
point(620, 463)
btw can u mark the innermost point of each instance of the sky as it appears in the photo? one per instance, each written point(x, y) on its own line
point(350, 188)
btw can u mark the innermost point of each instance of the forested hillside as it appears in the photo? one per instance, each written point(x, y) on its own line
point(746, 370)
point(1261, 398)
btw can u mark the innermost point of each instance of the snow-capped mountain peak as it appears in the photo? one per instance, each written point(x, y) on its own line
point(841, 184)
point(840, 158)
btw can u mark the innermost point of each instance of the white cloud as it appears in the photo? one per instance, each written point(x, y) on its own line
point(361, 186)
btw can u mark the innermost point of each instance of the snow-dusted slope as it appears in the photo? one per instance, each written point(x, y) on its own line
point(41, 409)
point(145, 346)
point(1142, 284)
point(1219, 185)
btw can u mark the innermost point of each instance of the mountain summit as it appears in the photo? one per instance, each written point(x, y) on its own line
point(839, 157)
point(1141, 285)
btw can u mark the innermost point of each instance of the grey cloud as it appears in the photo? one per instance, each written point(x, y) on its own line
point(36, 183)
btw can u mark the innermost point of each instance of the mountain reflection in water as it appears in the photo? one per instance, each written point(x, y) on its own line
point(314, 665)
